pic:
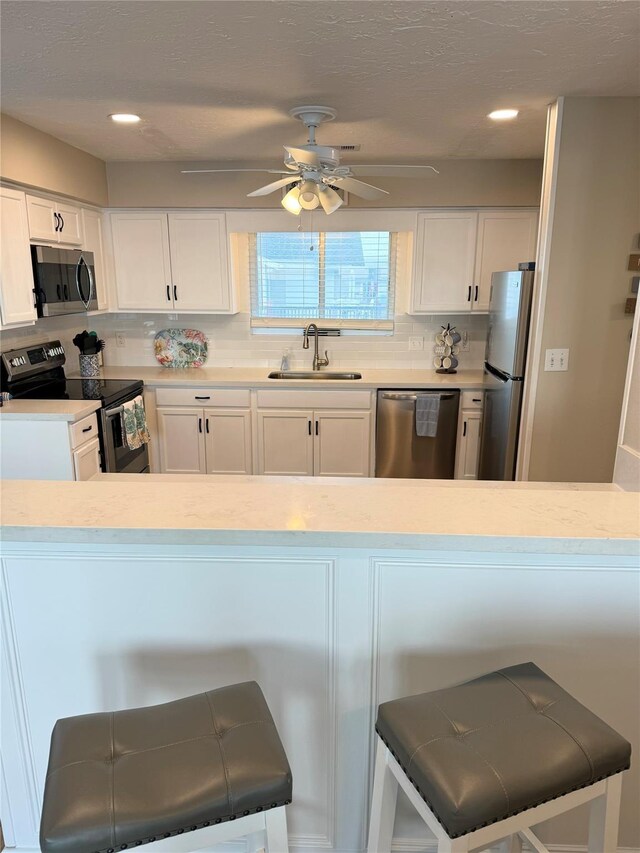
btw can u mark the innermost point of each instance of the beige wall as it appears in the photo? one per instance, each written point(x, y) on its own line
point(596, 219)
point(36, 159)
point(473, 183)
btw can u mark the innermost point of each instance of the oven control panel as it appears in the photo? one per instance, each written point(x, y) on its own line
point(32, 359)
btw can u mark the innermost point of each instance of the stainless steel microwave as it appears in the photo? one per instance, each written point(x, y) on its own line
point(65, 281)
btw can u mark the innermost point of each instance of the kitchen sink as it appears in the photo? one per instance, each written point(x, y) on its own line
point(311, 374)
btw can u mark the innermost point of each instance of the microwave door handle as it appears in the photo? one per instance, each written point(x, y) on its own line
point(79, 265)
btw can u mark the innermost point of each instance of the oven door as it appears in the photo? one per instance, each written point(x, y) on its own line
point(118, 458)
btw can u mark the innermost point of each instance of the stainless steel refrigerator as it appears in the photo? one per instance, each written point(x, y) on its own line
point(509, 316)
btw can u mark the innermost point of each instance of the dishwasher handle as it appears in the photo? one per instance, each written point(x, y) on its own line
point(387, 396)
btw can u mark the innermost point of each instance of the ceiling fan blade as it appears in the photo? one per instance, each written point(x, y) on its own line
point(301, 155)
point(358, 188)
point(212, 171)
point(329, 199)
point(275, 185)
point(390, 171)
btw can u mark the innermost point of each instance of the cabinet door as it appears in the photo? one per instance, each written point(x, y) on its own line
point(86, 460)
point(468, 445)
point(199, 268)
point(444, 262)
point(43, 222)
point(285, 442)
point(70, 219)
point(16, 273)
point(228, 441)
point(142, 261)
point(505, 239)
point(342, 444)
point(92, 230)
point(181, 440)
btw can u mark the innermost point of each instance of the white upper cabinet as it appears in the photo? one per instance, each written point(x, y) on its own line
point(175, 261)
point(199, 265)
point(458, 251)
point(506, 238)
point(142, 261)
point(53, 221)
point(93, 242)
point(444, 262)
point(16, 273)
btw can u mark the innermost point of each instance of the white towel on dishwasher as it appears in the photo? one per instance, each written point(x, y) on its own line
point(427, 412)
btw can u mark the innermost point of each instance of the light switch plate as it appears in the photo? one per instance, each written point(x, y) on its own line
point(556, 359)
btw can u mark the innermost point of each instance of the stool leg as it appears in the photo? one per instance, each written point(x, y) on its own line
point(453, 845)
point(276, 825)
point(603, 818)
point(383, 804)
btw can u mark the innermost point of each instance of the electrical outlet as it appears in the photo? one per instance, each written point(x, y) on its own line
point(416, 343)
point(556, 359)
point(464, 342)
point(121, 340)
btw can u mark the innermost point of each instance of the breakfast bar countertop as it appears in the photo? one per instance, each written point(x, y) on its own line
point(257, 377)
point(323, 511)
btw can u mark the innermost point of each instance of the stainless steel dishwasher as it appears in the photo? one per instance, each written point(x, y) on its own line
point(400, 452)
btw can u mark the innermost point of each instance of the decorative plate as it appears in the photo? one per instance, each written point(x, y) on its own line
point(181, 348)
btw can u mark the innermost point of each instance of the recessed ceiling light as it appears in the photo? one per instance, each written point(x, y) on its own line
point(125, 118)
point(503, 115)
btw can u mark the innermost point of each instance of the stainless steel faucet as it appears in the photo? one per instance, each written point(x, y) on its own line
point(318, 361)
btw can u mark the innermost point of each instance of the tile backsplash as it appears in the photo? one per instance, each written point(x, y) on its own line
point(232, 344)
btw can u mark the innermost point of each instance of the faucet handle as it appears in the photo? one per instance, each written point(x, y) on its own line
point(325, 360)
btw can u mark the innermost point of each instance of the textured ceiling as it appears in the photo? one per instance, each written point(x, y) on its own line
point(214, 80)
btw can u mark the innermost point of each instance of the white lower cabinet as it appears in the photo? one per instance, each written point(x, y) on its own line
point(469, 431)
point(204, 441)
point(86, 460)
point(341, 444)
point(309, 442)
point(181, 440)
point(228, 441)
point(285, 442)
point(49, 449)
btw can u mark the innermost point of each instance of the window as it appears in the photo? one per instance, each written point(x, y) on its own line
point(344, 279)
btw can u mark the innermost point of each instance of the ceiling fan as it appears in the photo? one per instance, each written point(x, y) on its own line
point(316, 172)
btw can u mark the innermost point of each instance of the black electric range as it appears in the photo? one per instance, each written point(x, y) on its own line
point(37, 373)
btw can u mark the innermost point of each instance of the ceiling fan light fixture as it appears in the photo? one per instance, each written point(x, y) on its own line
point(308, 197)
point(291, 201)
point(329, 199)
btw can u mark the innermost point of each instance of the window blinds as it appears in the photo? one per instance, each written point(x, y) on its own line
point(347, 278)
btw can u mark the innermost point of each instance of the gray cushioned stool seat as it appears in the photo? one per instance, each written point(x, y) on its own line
point(495, 746)
point(127, 778)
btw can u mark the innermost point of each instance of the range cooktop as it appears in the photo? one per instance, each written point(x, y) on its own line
point(61, 388)
point(37, 373)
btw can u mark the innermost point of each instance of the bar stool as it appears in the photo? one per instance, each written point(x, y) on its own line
point(177, 777)
point(488, 759)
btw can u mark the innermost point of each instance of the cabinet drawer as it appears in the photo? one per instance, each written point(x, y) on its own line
point(471, 399)
point(311, 399)
point(83, 430)
point(231, 398)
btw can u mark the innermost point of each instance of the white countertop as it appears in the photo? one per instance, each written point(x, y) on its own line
point(256, 377)
point(325, 512)
point(48, 410)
